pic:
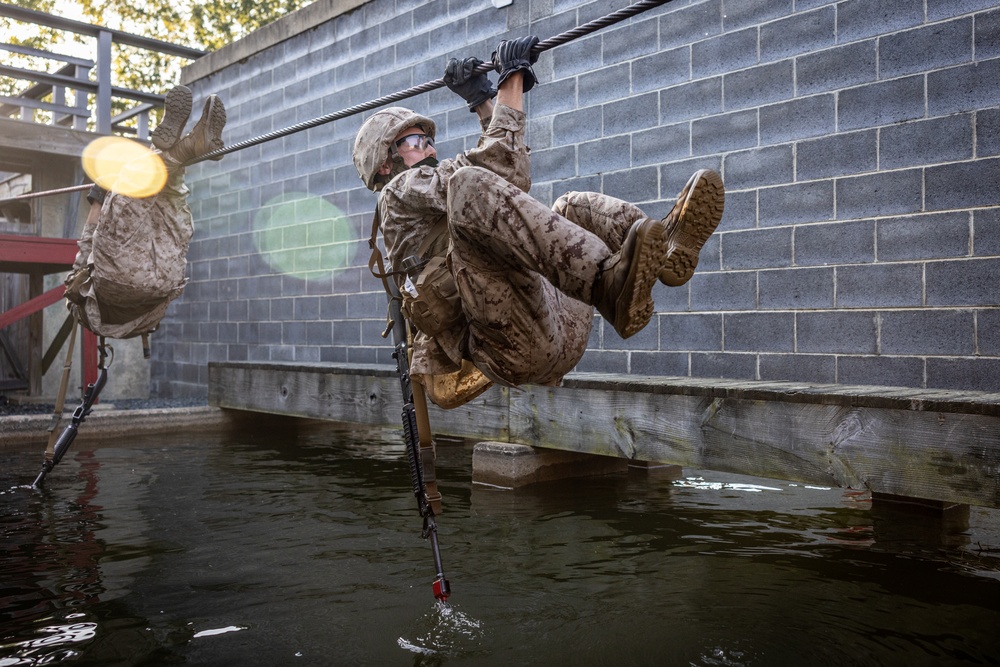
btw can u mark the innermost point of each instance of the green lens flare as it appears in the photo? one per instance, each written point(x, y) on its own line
point(304, 236)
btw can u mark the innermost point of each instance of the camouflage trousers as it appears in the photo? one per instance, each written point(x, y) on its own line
point(526, 272)
point(132, 261)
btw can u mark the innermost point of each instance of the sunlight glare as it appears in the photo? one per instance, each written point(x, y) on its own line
point(124, 166)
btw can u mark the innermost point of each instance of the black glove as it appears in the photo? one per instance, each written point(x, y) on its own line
point(514, 55)
point(462, 79)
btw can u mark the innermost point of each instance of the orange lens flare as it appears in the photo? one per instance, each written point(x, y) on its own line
point(124, 166)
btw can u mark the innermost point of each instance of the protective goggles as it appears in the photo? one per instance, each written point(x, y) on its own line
point(414, 142)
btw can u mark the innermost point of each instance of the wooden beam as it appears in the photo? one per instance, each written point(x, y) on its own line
point(30, 254)
point(32, 306)
point(929, 444)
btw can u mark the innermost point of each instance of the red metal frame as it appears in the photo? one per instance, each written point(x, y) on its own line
point(42, 255)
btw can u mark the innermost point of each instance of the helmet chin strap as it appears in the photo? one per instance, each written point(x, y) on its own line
point(398, 167)
point(426, 162)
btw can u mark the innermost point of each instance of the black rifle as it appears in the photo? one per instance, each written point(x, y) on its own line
point(69, 433)
point(411, 435)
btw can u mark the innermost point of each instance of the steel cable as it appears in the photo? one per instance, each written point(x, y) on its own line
point(544, 45)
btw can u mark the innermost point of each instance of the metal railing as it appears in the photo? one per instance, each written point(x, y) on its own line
point(48, 91)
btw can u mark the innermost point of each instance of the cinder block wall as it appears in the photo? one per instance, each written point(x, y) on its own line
point(859, 142)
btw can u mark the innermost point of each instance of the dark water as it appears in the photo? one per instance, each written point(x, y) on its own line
point(289, 549)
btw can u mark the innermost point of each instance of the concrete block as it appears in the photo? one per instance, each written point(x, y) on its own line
point(881, 103)
point(857, 19)
point(987, 28)
point(759, 332)
point(797, 119)
point(661, 69)
point(604, 85)
point(842, 332)
point(576, 126)
point(963, 88)
point(880, 285)
point(631, 41)
point(926, 332)
point(926, 48)
point(797, 34)
point(638, 112)
point(885, 193)
point(724, 132)
point(575, 57)
point(929, 236)
point(988, 332)
point(795, 288)
point(553, 97)
point(757, 248)
point(962, 282)
point(554, 163)
point(796, 203)
point(691, 331)
point(988, 132)
point(659, 363)
point(942, 9)
point(837, 68)
point(933, 141)
point(732, 290)
point(851, 242)
point(986, 232)
point(611, 154)
point(963, 184)
point(973, 373)
point(740, 211)
point(725, 53)
point(661, 144)
point(756, 86)
point(879, 370)
point(811, 368)
point(724, 365)
point(759, 167)
point(687, 101)
point(603, 361)
point(635, 185)
point(753, 12)
point(691, 24)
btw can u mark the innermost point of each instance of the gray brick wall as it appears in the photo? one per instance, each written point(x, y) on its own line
point(859, 142)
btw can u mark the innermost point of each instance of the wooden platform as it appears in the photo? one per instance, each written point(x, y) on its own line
point(936, 445)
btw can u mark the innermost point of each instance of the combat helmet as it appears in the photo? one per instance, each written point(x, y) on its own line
point(371, 146)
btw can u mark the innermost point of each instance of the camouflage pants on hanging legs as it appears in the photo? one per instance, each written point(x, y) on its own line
point(526, 273)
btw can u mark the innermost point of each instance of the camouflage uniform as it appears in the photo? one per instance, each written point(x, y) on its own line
point(132, 262)
point(525, 272)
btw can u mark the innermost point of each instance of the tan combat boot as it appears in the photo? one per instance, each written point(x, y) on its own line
point(204, 137)
point(690, 222)
point(622, 292)
point(176, 110)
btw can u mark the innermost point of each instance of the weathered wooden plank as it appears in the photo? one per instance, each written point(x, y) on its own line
point(888, 441)
point(362, 395)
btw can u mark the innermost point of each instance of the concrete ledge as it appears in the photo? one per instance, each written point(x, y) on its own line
point(508, 465)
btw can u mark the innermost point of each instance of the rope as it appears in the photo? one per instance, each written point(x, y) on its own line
point(544, 45)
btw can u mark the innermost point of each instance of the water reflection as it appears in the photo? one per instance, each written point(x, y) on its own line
point(305, 549)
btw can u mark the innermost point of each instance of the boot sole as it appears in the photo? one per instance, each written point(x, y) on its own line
point(634, 307)
point(698, 212)
point(177, 110)
point(216, 123)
